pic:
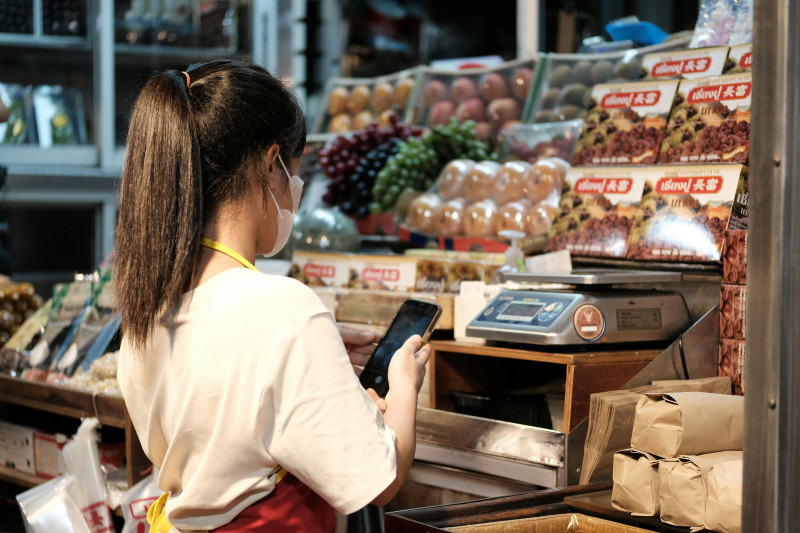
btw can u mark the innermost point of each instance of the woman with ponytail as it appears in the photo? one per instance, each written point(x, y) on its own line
point(238, 383)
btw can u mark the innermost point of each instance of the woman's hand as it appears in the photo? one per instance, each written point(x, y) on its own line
point(380, 402)
point(359, 344)
point(407, 368)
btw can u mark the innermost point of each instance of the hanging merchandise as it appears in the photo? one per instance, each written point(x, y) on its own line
point(715, 23)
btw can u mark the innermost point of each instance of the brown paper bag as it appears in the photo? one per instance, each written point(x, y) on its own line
point(682, 490)
point(717, 385)
point(635, 488)
point(724, 503)
point(688, 423)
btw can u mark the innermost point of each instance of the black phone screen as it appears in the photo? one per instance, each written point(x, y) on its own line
point(414, 318)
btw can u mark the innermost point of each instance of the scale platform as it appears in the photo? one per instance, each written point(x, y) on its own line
point(591, 312)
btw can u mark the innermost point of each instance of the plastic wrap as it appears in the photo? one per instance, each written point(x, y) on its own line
point(50, 507)
point(715, 23)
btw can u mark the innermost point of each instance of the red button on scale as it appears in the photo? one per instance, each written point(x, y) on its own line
point(590, 324)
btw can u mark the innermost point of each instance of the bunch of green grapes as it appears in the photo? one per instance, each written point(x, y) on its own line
point(418, 162)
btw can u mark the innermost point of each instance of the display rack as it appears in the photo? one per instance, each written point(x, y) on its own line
point(71, 403)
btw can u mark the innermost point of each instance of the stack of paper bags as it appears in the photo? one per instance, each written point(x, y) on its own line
point(693, 440)
point(611, 417)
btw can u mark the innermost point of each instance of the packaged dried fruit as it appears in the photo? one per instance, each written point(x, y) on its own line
point(59, 116)
point(625, 124)
point(686, 64)
point(732, 355)
point(710, 121)
point(597, 212)
point(684, 213)
point(492, 97)
point(740, 59)
point(350, 104)
point(17, 129)
point(532, 142)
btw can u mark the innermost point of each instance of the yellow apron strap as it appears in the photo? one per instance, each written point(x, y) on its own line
point(157, 516)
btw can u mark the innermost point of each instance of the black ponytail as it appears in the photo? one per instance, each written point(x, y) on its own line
point(191, 147)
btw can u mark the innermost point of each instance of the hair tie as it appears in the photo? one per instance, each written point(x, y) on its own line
point(188, 79)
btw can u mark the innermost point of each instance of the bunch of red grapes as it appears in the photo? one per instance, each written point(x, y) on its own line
point(345, 153)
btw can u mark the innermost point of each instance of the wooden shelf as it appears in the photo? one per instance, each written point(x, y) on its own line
point(110, 410)
point(579, 358)
point(20, 478)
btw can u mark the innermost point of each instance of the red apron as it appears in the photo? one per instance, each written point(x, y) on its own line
point(290, 507)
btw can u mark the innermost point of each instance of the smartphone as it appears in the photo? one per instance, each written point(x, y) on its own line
point(415, 317)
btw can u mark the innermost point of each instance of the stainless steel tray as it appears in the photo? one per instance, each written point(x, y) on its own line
point(597, 276)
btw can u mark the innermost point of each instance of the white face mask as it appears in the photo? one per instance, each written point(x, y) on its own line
point(286, 217)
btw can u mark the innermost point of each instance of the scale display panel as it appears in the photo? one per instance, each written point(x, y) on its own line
point(581, 317)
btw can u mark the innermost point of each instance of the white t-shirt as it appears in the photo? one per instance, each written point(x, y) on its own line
point(251, 373)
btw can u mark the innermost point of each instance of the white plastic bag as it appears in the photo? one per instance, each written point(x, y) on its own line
point(82, 461)
point(50, 507)
point(137, 500)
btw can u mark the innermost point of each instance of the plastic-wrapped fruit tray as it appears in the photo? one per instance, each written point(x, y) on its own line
point(493, 97)
point(352, 103)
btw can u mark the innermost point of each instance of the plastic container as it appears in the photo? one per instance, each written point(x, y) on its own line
point(493, 97)
point(352, 103)
point(532, 142)
point(641, 32)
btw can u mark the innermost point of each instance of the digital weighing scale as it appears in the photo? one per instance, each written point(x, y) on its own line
point(592, 311)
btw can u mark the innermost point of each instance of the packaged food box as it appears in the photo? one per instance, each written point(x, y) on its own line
point(686, 64)
point(493, 97)
point(710, 121)
point(352, 103)
point(442, 271)
point(597, 212)
point(740, 212)
point(16, 447)
point(740, 59)
point(380, 272)
point(684, 213)
point(18, 128)
point(59, 116)
point(733, 311)
point(732, 354)
point(532, 142)
point(625, 124)
point(47, 449)
point(734, 258)
point(565, 86)
point(317, 269)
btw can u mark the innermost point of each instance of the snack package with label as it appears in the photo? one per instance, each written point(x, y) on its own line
point(443, 271)
point(532, 142)
point(715, 23)
point(625, 124)
point(353, 103)
point(710, 122)
point(734, 257)
point(17, 129)
point(478, 200)
point(740, 59)
point(59, 116)
point(318, 269)
point(733, 312)
point(685, 64)
point(494, 98)
point(70, 301)
point(597, 212)
point(684, 213)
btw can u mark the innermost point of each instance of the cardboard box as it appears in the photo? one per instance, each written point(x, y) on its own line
point(381, 272)
point(732, 355)
point(732, 312)
point(710, 122)
point(47, 450)
point(16, 447)
point(317, 269)
point(625, 123)
point(597, 213)
point(740, 59)
point(734, 258)
point(684, 213)
point(686, 64)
